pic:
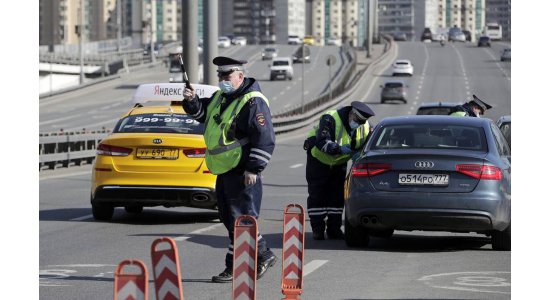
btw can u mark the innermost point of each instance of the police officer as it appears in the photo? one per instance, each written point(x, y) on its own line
point(475, 108)
point(339, 134)
point(240, 139)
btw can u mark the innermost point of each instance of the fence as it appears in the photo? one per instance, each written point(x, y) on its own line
point(70, 148)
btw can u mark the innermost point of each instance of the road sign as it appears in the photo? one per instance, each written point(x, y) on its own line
point(245, 258)
point(131, 286)
point(293, 251)
point(166, 270)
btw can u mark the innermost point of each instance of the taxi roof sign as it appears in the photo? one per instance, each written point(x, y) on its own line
point(169, 91)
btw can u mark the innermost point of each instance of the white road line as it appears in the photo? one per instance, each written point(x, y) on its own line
point(198, 231)
point(296, 166)
point(313, 265)
point(86, 217)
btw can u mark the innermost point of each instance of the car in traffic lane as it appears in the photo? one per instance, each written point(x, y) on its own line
point(402, 67)
point(153, 157)
point(506, 54)
point(430, 173)
point(484, 41)
point(224, 42)
point(394, 90)
point(504, 123)
point(269, 53)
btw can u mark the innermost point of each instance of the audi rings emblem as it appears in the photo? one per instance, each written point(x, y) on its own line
point(424, 164)
point(157, 141)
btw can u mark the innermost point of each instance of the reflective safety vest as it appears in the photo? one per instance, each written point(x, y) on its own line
point(342, 138)
point(223, 150)
point(459, 114)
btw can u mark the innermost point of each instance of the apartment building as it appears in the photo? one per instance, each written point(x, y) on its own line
point(344, 20)
point(58, 20)
point(499, 11)
point(466, 14)
point(396, 16)
point(290, 19)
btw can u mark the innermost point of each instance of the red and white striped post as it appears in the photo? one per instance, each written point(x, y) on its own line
point(245, 252)
point(293, 252)
point(166, 270)
point(131, 286)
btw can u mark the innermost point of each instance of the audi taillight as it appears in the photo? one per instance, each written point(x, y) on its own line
point(108, 150)
point(195, 153)
point(481, 172)
point(369, 169)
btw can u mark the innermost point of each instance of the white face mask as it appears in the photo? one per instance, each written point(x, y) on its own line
point(226, 87)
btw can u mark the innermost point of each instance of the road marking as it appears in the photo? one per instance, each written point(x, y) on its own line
point(198, 231)
point(313, 265)
point(86, 217)
point(479, 282)
point(296, 166)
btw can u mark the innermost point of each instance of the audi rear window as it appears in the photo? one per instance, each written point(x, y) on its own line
point(394, 84)
point(434, 110)
point(159, 123)
point(431, 136)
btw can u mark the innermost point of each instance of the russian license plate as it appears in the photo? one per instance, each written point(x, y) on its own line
point(423, 179)
point(157, 153)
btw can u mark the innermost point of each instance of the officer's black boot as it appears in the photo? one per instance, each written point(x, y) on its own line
point(335, 234)
point(225, 276)
point(265, 264)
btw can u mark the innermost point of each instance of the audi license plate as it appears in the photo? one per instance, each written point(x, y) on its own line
point(423, 179)
point(157, 153)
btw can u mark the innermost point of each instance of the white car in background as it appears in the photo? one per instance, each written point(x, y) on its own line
point(224, 42)
point(239, 40)
point(402, 67)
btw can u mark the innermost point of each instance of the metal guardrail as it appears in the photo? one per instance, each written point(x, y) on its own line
point(65, 149)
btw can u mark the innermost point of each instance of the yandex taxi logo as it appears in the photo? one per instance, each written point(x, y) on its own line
point(169, 92)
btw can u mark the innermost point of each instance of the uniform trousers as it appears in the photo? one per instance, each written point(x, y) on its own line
point(235, 200)
point(325, 185)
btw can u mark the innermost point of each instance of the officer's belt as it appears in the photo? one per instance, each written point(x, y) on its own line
point(238, 143)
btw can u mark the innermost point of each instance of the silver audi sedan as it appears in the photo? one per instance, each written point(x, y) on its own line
point(432, 173)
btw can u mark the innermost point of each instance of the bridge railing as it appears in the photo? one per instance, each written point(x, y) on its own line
point(68, 148)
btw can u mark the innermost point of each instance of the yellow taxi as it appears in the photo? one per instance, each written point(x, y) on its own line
point(309, 40)
point(154, 156)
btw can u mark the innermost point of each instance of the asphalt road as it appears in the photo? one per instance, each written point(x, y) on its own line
point(78, 255)
point(102, 104)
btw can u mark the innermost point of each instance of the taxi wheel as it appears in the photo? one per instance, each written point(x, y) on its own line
point(355, 236)
point(102, 212)
point(134, 209)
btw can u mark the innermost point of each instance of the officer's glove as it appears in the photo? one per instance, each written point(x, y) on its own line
point(345, 149)
point(250, 178)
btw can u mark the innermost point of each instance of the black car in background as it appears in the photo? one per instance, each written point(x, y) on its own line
point(430, 173)
point(468, 35)
point(426, 35)
point(399, 36)
point(484, 41)
point(436, 108)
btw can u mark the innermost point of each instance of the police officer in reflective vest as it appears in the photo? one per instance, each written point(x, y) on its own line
point(475, 108)
point(240, 139)
point(339, 134)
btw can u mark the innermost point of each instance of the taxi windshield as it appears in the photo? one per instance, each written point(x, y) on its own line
point(159, 123)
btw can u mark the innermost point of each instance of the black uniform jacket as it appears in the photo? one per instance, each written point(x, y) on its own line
point(253, 121)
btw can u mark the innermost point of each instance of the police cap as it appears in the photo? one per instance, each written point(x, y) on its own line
point(484, 106)
point(227, 65)
point(361, 110)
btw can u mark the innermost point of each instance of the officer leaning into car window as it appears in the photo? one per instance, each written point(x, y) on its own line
point(239, 139)
point(330, 144)
point(474, 108)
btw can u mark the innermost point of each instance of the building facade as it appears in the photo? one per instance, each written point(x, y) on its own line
point(344, 20)
point(290, 19)
point(500, 11)
point(396, 16)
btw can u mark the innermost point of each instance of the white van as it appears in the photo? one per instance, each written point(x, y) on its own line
point(281, 67)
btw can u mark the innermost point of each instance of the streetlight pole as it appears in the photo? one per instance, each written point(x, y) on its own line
point(303, 78)
point(80, 36)
point(152, 44)
point(118, 23)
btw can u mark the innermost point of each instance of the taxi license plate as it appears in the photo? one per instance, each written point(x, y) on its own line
point(423, 179)
point(157, 153)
